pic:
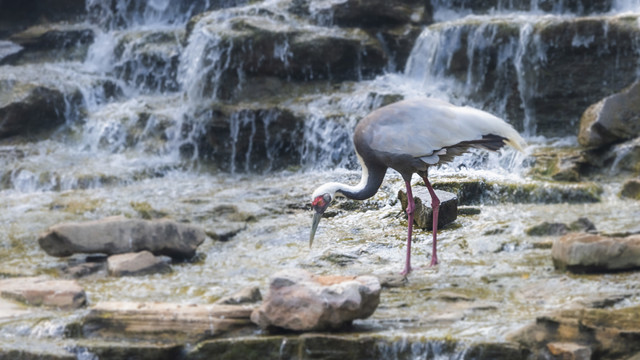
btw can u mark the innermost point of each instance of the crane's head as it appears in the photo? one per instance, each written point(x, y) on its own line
point(320, 201)
point(320, 204)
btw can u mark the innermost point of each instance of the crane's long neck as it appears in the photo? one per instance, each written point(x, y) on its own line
point(372, 177)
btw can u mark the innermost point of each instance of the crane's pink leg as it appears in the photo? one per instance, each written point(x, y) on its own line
point(435, 205)
point(410, 208)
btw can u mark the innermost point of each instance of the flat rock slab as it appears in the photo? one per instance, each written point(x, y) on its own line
point(588, 253)
point(63, 294)
point(300, 301)
point(164, 321)
point(423, 214)
point(134, 264)
point(117, 235)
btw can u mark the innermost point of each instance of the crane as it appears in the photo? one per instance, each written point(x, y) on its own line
point(409, 136)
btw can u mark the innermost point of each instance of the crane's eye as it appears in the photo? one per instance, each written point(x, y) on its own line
point(321, 203)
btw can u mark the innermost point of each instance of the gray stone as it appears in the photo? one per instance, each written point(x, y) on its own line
point(300, 301)
point(569, 350)
point(247, 295)
point(631, 189)
point(583, 252)
point(423, 214)
point(117, 235)
point(612, 119)
point(140, 263)
point(63, 294)
point(27, 109)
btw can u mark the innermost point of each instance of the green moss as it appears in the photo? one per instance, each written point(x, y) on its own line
point(145, 210)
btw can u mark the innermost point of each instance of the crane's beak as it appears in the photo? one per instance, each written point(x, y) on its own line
point(319, 205)
point(314, 226)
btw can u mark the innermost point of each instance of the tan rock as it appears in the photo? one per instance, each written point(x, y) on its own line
point(63, 294)
point(583, 252)
point(140, 263)
point(164, 320)
point(300, 301)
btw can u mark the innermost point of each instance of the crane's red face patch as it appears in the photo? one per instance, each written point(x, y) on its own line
point(321, 203)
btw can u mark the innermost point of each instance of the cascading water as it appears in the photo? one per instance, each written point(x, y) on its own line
point(189, 108)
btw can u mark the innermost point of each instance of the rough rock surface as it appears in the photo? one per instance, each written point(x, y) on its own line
point(300, 301)
point(247, 295)
point(117, 235)
point(606, 334)
point(63, 294)
point(581, 252)
point(28, 109)
point(423, 214)
point(612, 119)
point(631, 189)
point(554, 229)
point(140, 263)
point(176, 322)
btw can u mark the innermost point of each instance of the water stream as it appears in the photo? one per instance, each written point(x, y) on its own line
point(137, 143)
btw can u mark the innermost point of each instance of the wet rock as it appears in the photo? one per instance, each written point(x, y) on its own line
point(631, 189)
point(249, 45)
point(608, 334)
point(248, 295)
point(117, 235)
point(556, 229)
point(38, 291)
point(567, 350)
point(358, 13)
point(16, 16)
point(300, 301)
point(248, 139)
point(135, 264)
point(7, 49)
point(149, 59)
point(582, 252)
point(620, 158)
point(28, 109)
point(51, 43)
point(163, 321)
point(476, 191)
point(548, 229)
point(541, 61)
point(423, 214)
point(392, 280)
point(579, 7)
point(612, 119)
point(10, 309)
point(83, 269)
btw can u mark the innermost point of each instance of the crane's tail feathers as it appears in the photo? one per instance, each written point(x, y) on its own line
point(517, 143)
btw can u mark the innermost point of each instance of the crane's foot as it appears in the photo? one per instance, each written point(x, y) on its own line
point(406, 271)
point(434, 261)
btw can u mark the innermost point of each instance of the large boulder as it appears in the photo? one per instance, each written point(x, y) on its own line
point(63, 294)
point(16, 16)
point(613, 119)
point(117, 235)
point(582, 252)
point(423, 213)
point(300, 301)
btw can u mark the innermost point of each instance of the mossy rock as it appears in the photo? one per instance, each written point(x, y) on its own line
point(475, 191)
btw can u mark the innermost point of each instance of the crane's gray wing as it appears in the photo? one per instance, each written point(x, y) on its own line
point(425, 128)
